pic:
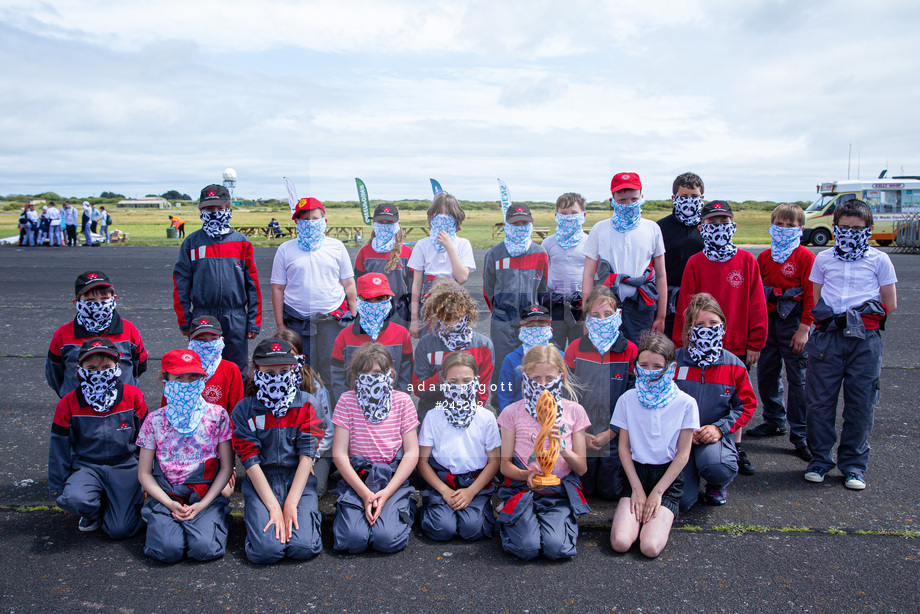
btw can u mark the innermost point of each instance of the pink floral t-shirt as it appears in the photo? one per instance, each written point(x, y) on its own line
point(180, 455)
point(516, 419)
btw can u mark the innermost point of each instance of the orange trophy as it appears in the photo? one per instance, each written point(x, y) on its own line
point(546, 455)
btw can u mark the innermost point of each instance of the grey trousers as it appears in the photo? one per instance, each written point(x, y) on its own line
point(305, 543)
point(111, 491)
point(716, 463)
point(202, 538)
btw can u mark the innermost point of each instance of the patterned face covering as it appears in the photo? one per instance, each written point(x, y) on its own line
point(209, 352)
point(95, 317)
point(310, 234)
point(298, 370)
point(460, 402)
point(373, 316)
point(783, 241)
point(384, 237)
point(374, 392)
point(603, 332)
point(687, 209)
point(444, 222)
point(532, 391)
point(276, 391)
point(569, 229)
point(517, 238)
point(717, 241)
point(98, 387)
point(656, 389)
point(850, 244)
point(626, 217)
point(458, 336)
point(184, 405)
point(216, 223)
point(706, 344)
point(532, 336)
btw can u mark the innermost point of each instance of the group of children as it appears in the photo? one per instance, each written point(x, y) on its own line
point(587, 318)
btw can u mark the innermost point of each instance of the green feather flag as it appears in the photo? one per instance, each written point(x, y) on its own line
point(365, 203)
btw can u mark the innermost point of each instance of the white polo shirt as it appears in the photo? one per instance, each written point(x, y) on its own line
point(566, 265)
point(432, 262)
point(850, 284)
point(312, 280)
point(653, 433)
point(629, 253)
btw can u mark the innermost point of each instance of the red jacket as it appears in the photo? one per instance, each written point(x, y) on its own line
point(793, 273)
point(737, 286)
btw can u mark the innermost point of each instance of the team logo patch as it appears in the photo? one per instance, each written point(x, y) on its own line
point(187, 357)
point(275, 347)
point(726, 392)
point(97, 344)
point(735, 279)
point(534, 308)
point(618, 376)
point(92, 276)
point(624, 176)
point(376, 281)
point(386, 209)
point(717, 205)
point(204, 321)
point(124, 426)
point(212, 394)
point(789, 269)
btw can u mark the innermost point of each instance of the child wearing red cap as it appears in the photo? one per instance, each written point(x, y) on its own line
point(627, 254)
point(92, 470)
point(186, 459)
point(375, 307)
point(387, 254)
point(313, 286)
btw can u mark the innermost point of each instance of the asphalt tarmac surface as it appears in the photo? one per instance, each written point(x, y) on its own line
point(779, 544)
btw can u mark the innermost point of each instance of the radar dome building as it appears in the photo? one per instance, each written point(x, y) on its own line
point(230, 180)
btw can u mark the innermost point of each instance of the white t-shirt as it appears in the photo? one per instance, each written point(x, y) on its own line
point(460, 450)
point(312, 279)
point(566, 264)
point(653, 433)
point(629, 253)
point(432, 262)
point(850, 284)
point(54, 215)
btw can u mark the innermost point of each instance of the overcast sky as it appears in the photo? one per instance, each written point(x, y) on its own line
point(761, 98)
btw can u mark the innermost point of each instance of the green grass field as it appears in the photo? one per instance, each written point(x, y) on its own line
point(148, 226)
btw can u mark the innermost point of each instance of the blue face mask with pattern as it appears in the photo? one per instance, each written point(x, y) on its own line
point(184, 404)
point(444, 222)
point(209, 352)
point(384, 237)
point(626, 217)
point(656, 389)
point(603, 332)
point(310, 234)
point(373, 316)
point(569, 229)
point(517, 238)
point(532, 336)
point(783, 241)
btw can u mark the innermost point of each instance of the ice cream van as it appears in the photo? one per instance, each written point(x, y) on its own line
point(892, 199)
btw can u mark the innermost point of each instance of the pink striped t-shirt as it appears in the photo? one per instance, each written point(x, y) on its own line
point(378, 443)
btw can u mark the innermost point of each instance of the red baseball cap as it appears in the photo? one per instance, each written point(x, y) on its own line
point(305, 204)
point(625, 181)
point(180, 362)
point(372, 285)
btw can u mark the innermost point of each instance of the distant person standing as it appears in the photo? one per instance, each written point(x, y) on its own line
point(104, 220)
point(179, 224)
point(86, 223)
point(32, 229)
point(216, 275)
point(69, 217)
point(94, 218)
point(54, 220)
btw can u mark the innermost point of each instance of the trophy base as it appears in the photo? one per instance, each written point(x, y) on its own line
point(545, 480)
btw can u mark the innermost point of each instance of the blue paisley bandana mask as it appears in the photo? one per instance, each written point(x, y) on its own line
point(705, 346)
point(626, 217)
point(99, 387)
point(310, 234)
point(276, 391)
point(373, 316)
point(569, 229)
point(384, 237)
point(851, 244)
point(95, 317)
point(687, 209)
point(460, 402)
point(216, 223)
point(209, 352)
point(603, 332)
point(531, 392)
point(783, 241)
point(444, 222)
point(656, 389)
point(184, 404)
point(532, 336)
point(717, 241)
point(374, 392)
point(517, 238)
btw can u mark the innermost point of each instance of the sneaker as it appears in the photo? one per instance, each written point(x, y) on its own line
point(88, 524)
point(715, 496)
point(766, 430)
point(745, 466)
point(815, 474)
point(854, 481)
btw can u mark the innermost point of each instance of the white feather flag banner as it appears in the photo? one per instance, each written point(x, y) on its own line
point(292, 193)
